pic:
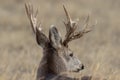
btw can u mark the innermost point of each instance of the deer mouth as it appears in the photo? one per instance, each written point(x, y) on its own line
point(79, 69)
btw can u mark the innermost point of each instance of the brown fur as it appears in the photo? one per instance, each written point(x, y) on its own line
point(57, 57)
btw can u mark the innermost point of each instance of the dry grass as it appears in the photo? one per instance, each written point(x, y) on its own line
point(98, 50)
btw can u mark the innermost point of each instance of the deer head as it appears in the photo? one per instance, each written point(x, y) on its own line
point(57, 57)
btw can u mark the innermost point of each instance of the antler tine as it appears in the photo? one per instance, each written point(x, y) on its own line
point(67, 14)
point(36, 13)
point(85, 29)
point(68, 23)
point(32, 15)
point(27, 10)
point(71, 27)
point(86, 22)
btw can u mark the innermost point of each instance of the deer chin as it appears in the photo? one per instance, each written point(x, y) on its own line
point(77, 70)
point(73, 71)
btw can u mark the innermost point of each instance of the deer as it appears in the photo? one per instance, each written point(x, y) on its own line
point(57, 56)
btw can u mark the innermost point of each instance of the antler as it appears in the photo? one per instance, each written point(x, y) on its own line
point(71, 26)
point(32, 15)
point(41, 38)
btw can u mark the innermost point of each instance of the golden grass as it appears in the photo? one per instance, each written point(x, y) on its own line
point(98, 50)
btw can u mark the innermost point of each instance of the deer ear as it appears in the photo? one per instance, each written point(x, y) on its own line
point(55, 38)
point(41, 38)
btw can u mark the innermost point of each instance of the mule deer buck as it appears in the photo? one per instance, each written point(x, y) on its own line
point(57, 57)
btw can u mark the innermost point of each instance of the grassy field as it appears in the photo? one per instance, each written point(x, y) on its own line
point(99, 50)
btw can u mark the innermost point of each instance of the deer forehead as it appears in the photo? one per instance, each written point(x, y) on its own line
point(64, 51)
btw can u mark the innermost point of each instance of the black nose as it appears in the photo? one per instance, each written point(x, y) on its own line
point(82, 67)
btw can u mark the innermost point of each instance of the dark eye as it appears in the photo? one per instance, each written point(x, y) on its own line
point(71, 54)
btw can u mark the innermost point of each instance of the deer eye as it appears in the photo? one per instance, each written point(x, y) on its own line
point(71, 55)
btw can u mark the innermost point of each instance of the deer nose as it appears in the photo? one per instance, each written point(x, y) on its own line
point(82, 67)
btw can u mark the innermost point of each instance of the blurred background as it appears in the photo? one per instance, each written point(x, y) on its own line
point(99, 50)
